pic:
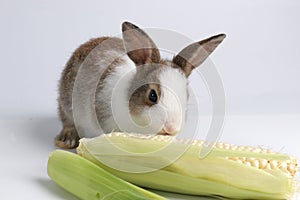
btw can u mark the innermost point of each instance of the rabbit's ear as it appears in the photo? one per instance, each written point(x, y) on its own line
point(139, 46)
point(195, 54)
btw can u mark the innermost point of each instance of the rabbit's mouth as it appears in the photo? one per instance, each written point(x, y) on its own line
point(164, 132)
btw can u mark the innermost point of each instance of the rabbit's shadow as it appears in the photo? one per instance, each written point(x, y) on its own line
point(32, 133)
point(44, 130)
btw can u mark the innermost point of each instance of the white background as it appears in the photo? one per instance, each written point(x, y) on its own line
point(258, 62)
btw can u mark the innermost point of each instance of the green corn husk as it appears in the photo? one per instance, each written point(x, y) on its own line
point(162, 163)
point(88, 181)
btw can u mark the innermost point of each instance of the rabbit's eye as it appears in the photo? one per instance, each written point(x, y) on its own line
point(153, 96)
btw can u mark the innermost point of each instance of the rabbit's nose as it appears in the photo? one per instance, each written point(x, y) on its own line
point(170, 129)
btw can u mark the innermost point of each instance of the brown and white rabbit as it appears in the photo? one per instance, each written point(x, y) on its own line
point(152, 86)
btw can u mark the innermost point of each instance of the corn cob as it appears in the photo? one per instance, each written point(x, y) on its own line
point(89, 182)
point(230, 171)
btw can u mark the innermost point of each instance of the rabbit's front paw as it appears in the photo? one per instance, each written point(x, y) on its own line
point(68, 138)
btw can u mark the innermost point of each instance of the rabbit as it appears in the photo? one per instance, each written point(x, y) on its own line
point(151, 97)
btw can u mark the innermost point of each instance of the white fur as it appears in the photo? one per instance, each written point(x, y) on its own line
point(173, 98)
point(115, 88)
point(170, 108)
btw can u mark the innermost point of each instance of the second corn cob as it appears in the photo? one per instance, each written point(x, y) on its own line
point(88, 181)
